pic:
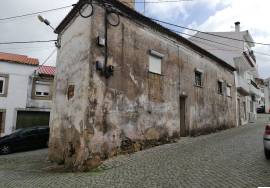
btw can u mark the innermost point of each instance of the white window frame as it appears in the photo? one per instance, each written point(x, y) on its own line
point(229, 90)
point(40, 94)
point(155, 62)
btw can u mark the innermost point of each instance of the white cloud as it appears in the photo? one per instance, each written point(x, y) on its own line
point(182, 8)
point(253, 16)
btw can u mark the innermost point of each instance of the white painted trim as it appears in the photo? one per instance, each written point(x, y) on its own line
point(155, 53)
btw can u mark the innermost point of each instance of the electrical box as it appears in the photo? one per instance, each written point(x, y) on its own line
point(101, 41)
point(99, 65)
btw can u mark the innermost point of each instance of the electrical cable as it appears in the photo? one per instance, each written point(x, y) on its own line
point(28, 42)
point(156, 20)
point(32, 48)
point(35, 13)
point(160, 21)
point(183, 27)
point(69, 6)
point(48, 58)
point(217, 42)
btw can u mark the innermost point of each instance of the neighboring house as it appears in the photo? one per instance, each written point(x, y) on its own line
point(25, 92)
point(267, 95)
point(138, 86)
point(239, 54)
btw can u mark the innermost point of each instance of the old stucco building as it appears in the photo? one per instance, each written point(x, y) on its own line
point(235, 47)
point(126, 83)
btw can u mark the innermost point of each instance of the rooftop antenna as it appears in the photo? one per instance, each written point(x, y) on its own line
point(144, 7)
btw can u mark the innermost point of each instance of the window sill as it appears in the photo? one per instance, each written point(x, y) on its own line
point(198, 86)
point(41, 97)
point(155, 73)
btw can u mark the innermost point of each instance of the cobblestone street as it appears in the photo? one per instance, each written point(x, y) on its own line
point(232, 158)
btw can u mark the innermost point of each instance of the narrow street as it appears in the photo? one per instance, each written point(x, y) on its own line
point(232, 158)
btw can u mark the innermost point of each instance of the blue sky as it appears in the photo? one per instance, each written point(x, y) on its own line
point(205, 15)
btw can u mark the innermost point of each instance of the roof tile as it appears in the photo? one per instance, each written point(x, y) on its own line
point(16, 58)
point(46, 70)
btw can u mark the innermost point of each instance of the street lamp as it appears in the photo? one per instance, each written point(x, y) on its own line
point(43, 20)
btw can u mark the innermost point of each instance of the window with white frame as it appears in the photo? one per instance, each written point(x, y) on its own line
point(42, 88)
point(155, 62)
point(229, 90)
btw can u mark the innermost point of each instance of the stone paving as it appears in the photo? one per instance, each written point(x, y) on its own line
point(232, 158)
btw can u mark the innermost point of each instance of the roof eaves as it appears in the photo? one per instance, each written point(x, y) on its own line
point(19, 62)
point(136, 15)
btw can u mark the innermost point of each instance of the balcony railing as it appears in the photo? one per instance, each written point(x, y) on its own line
point(246, 88)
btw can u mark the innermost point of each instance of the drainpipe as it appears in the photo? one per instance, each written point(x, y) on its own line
point(106, 40)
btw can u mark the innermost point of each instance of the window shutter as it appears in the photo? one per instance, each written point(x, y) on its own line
point(224, 88)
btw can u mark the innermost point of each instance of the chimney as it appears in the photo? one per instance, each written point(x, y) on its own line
point(237, 26)
point(129, 3)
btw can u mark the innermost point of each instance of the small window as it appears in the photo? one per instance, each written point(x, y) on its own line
point(2, 85)
point(38, 93)
point(70, 92)
point(42, 88)
point(155, 64)
point(198, 78)
point(229, 90)
point(220, 88)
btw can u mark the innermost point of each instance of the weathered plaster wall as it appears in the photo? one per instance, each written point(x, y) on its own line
point(69, 116)
point(133, 109)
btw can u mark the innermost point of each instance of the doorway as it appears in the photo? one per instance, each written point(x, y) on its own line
point(239, 112)
point(2, 121)
point(183, 126)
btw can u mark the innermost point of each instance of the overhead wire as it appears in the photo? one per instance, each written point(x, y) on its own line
point(212, 41)
point(35, 13)
point(153, 19)
point(69, 6)
point(49, 57)
point(32, 48)
point(28, 42)
point(160, 21)
point(207, 33)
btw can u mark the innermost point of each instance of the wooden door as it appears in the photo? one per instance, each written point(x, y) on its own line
point(183, 126)
point(1, 122)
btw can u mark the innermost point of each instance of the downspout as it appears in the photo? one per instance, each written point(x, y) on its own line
point(106, 40)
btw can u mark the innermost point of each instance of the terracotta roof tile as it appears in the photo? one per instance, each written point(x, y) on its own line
point(46, 70)
point(16, 58)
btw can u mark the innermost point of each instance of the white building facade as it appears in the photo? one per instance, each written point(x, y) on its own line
point(267, 94)
point(21, 104)
point(235, 48)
